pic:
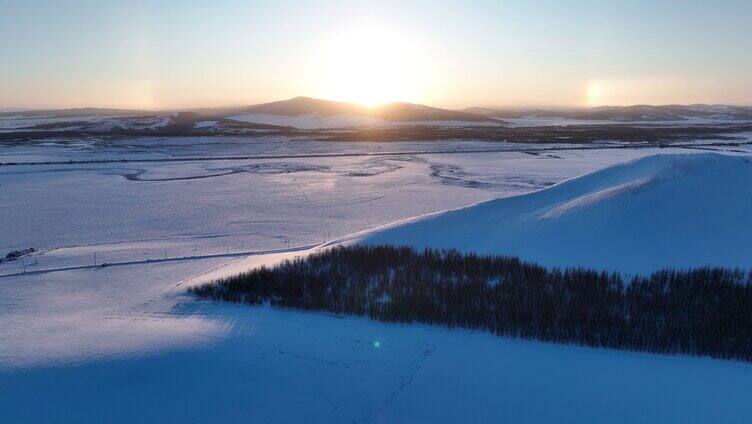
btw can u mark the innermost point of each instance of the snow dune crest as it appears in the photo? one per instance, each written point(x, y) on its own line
point(676, 211)
point(593, 199)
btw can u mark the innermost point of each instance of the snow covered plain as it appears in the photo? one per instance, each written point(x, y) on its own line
point(123, 343)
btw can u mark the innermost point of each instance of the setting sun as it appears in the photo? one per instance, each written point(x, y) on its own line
point(368, 65)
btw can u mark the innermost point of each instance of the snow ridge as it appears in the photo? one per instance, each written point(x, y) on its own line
point(662, 211)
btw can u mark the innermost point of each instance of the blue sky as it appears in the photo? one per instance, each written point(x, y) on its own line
point(162, 54)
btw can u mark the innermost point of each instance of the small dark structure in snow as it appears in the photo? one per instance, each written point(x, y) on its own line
point(12, 256)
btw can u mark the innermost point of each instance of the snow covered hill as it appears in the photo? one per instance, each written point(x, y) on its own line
point(697, 113)
point(678, 211)
point(96, 122)
point(308, 113)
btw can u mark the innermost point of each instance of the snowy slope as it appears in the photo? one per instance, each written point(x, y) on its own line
point(660, 211)
point(308, 113)
point(167, 123)
point(310, 121)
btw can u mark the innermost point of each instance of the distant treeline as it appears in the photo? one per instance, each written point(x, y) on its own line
point(704, 311)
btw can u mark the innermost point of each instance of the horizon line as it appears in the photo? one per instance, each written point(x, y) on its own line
point(7, 109)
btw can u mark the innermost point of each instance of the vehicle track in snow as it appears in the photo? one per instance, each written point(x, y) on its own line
point(163, 260)
point(541, 148)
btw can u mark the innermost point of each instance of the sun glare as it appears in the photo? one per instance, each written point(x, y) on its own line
point(368, 65)
point(595, 93)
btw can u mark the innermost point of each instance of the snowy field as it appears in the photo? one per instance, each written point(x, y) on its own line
point(123, 343)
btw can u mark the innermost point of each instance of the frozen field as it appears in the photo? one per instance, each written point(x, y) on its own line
point(123, 343)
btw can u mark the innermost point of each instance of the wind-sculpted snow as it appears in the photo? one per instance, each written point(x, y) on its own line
point(661, 211)
point(607, 194)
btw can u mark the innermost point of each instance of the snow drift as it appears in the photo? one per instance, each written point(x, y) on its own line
point(662, 211)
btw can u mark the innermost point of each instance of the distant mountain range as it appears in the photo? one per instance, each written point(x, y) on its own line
point(123, 122)
point(305, 113)
point(330, 113)
point(296, 113)
point(634, 113)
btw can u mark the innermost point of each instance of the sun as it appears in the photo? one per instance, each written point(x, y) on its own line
point(369, 65)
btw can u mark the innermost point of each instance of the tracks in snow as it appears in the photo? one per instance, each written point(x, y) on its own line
point(163, 260)
point(534, 150)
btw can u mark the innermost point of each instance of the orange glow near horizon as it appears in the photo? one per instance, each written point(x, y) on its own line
point(370, 66)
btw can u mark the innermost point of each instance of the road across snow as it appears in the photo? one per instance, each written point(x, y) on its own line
point(157, 261)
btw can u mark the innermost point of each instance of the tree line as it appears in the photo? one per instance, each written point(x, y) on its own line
point(702, 311)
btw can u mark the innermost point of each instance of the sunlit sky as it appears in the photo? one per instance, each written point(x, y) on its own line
point(179, 54)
